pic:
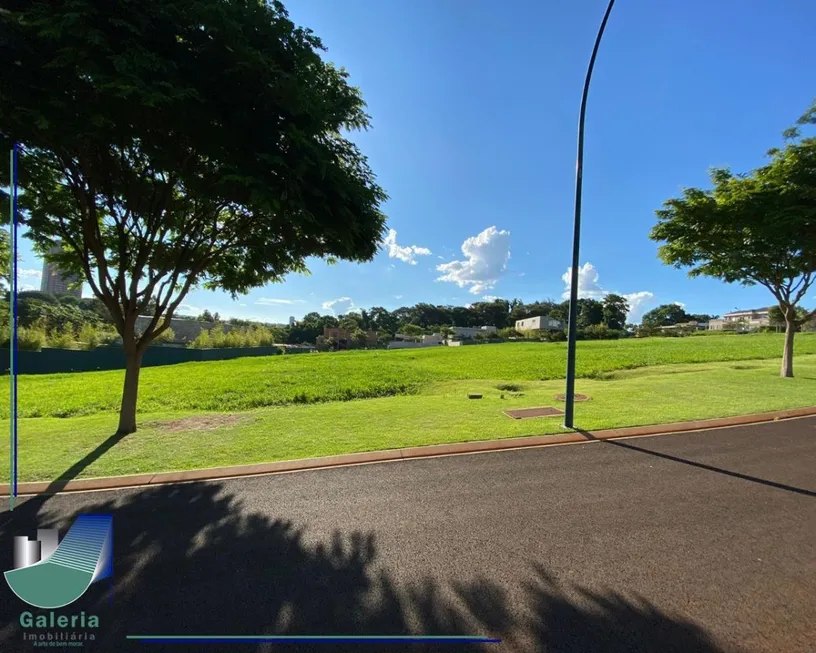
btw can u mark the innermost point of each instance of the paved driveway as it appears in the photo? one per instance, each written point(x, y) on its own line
point(694, 542)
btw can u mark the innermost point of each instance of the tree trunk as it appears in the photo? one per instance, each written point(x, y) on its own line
point(127, 413)
point(787, 354)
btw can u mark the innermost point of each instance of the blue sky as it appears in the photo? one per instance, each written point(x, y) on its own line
point(474, 107)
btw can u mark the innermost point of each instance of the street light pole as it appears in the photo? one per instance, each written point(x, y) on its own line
point(576, 237)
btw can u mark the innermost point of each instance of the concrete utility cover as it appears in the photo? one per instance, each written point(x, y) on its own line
point(524, 413)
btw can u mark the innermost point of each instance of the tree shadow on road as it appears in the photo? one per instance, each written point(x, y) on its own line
point(699, 465)
point(190, 559)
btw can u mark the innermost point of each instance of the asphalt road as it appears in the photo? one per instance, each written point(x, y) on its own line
point(695, 542)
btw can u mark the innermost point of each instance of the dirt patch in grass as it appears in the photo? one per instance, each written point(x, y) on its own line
point(198, 423)
point(578, 397)
point(510, 387)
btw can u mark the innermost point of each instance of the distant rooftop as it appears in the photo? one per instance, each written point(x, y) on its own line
point(746, 311)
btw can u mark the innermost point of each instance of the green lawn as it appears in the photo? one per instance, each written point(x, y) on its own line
point(250, 383)
point(437, 412)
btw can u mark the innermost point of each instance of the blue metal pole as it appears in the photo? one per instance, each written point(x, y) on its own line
point(13, 328)
point(569, 410)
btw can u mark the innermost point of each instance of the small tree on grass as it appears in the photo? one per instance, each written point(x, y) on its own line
point(31, 339)
point(89, 337)
point(758, 228)
point(62, 338)
point(172, 144)
point(413, 331)
point(777, 318)
point(202, 341)
point(165, 337)
point(359, 338)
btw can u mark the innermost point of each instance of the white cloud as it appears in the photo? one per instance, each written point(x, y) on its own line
point(486, 257)
point(29, 273)
point(406, 253)
point(638, 301)
point(490, 298)
point(28, 286)
point(268, 301)
point(189, 309)
point(241, 304)
point(339, 306)
point(680, 304)
point(590, 288)
point(398, 296)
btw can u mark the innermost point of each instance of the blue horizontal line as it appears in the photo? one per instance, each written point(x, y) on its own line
point(313, 639)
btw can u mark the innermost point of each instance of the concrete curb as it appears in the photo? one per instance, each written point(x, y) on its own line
point(410, 453)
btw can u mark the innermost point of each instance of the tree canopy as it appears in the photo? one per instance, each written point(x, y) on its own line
point(665, 315)
point(590, 311)
point(777, 318)
point(166, 145)
point(615, 310)
point(755, 228)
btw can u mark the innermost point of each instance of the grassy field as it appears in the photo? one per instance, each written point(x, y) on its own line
point(439, 412)
point(263, 409)
point(251, 383)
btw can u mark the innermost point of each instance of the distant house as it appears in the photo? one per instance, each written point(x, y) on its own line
point(343, 336)
point(686, 326)
point(747, 320)
point(434, 340)
point(468, 333)
point(539, 323)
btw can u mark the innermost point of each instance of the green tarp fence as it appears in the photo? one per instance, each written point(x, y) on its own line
point(55, 361)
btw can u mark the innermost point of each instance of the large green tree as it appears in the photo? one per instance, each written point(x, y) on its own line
point(383, 320)
point(665, 315)
point(179, 143)
point(756, 228)
point(590, 312)
point(615, 310)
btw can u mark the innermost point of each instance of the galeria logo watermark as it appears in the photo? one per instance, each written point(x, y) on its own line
point(52, 574)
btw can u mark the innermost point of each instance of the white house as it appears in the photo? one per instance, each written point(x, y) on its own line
point(470, 332)
point(538, 323)
point(686, 326)
point(741, 320)
point(434, 340)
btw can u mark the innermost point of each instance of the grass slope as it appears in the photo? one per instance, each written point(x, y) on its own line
point(249, 383)
point(438, 413)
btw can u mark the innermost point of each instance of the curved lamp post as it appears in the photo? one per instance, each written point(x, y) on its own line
point(569, 410)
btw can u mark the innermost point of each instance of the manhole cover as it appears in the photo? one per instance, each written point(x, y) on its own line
point(524, 413)
point(577, 398)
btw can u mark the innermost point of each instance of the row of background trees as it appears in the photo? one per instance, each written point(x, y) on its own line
point(70, 314)
point(58, 317)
